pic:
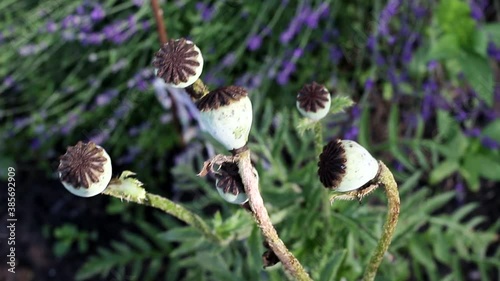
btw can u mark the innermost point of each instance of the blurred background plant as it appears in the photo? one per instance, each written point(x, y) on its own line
point(425, 77)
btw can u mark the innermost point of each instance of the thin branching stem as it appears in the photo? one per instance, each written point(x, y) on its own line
point(170, 208)
point(290, 263)
point(391, 189)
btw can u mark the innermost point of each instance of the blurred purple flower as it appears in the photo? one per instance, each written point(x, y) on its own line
point(229, 59)
point(120, 64)
point(297, 53)
point(134, 131)
point(97, 13)
point(35, 143)
point(460, 190)
point(70, 124)
point(27, 50)
point(21, 122)
point(432, 65)
point(352, 133)
point(385, 17)
point(369, 84)
point(336, 54)
point(284, 74)
point(254, 42)
point(139, 3)
point(490, 143)
point(476, 11)
point(8, 81)
point(106, 97)
point(474, 132)
point(51, 26)
point(206, 11)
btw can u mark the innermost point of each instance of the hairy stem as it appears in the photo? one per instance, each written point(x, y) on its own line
point(291, 264)
point(391, 189)
point(170, 208)
point(318, 138)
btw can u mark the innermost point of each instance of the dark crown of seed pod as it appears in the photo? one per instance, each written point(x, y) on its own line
point(176, 61)
point(313, 97)
point(81, 163)
point(221, 97)
point(332, 164)
point(229, 180)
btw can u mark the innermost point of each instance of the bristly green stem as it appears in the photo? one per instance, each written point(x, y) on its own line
point(391, 188)
point(170, 208)
point(318, 138)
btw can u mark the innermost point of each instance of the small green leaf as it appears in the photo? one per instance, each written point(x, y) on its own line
point(483, 165)
point(492, 130)
point(478, 72)
point(493, 32)
point(445, 47)
point(330, 270)
point(442, 171)
point(340, 103)
point(472, 179)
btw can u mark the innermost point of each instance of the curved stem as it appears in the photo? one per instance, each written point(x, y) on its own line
point(170, 208)
point(291, 264)
point(391, 189)
point(318, 138)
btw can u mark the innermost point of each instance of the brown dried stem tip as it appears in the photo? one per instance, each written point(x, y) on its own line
point(179, 62)
point(85, 169)
point(313, 101)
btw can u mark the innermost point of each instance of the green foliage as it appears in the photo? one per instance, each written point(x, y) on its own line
point(68, 235)
point(338, 239)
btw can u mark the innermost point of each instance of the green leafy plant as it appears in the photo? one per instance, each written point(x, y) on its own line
point(68, 236)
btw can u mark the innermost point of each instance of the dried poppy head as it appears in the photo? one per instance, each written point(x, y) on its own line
point(313, 101)
point(179, 62)
point(226, 113)
point(229, 185)
point(85, 169)
point(344, 165)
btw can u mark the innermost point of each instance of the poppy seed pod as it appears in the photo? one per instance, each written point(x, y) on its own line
point(313, 101)
point(229, 185)
point(85, 169)
point(226, 113)
point(344, 165)
point(179, 63)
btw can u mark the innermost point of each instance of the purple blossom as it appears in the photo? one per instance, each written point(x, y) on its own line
point(20, 123)
point(8, 81)
point(97, 13)
point(432, 65)
point(352, 133)
point(229, 59)
point(385, 17)
point(106, 97)
point(69, 124)
point(207, 11)
point(138, 3)
point(27, 50)
point(297, 53)
point(369, 84)
point(336, 54)
point(490, 143)
point(474, 132)
point(119, 65)
point(51, 26)
point(284, 75)
point(254, 42)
